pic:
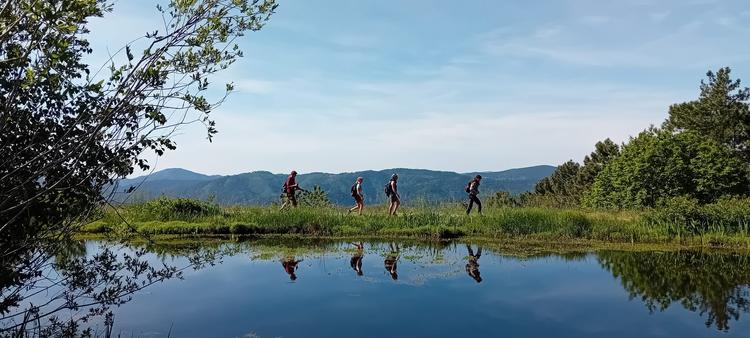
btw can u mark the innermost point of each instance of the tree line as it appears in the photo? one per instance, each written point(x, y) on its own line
point(699, 155)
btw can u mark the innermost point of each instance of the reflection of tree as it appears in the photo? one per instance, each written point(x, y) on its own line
point(712, 284)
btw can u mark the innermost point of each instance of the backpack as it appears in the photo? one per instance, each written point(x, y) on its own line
point(468, 186)
point(388, 190)
point(283, 188)
point(354, 190)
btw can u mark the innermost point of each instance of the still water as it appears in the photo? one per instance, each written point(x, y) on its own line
point(410, 289)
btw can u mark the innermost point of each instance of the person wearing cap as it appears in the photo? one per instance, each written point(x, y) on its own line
point(290, 189)
point(358, 197)
point(473, 189)
point(394, 197)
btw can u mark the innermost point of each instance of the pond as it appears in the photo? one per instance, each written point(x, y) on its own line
point(284, 288)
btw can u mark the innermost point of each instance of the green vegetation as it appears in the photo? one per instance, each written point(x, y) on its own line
point(725, 223)
point(713, 285)
point(699, 157)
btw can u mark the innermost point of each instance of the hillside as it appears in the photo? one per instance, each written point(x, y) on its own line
point(262, 187)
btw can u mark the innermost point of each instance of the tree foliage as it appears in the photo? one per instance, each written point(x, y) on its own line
point(701, 153)
point(660, 164)
point(68, 130)
point(571, 181)
point(721, 112)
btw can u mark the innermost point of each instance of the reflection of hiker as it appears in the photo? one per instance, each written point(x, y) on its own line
point(356, 261)
point(290, 266)
point(358, 197)
point(472, 188)
point(391, 190)
point(472, 266)
point(290, 189)
point(391, 262)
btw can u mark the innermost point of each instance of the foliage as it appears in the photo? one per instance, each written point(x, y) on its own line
point(178, 208)
point(447, 221)
point(721, 113)
point(660, 164)
point(715, 285)
point(67, 131)
point(503, 199)
point(571, 181)
point(728, 214)
point(315, 198)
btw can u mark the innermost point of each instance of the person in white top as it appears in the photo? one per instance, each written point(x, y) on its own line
point(358, 197)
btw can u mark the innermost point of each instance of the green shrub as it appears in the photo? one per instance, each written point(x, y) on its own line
point(167, 209)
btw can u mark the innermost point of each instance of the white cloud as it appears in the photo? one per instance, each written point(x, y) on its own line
point(658, 16)
point(595, 20)
point(254, 86)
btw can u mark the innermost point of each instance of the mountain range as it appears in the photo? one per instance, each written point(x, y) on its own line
point(263, 188)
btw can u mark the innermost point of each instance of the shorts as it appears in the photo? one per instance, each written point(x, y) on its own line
point(358, 199)
point(394, 198)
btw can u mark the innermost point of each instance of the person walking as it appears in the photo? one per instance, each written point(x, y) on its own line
point(358, 197)
point(391, 190)
point(472, 188)
point(290, 189)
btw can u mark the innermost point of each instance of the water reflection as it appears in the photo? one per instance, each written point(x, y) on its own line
point(391, 261)
point(713, 285)
point(698, 287)
point(356, 261)
point(290, 266)
point(472, 266)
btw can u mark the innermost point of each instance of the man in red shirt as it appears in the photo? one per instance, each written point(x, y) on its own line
point(290, 189)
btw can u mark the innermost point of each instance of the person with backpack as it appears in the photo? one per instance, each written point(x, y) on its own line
point(358, 197)
point(391, 191)
point(472, 188)
point(290, 189)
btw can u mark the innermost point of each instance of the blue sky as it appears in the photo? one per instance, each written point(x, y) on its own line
point(339, 86)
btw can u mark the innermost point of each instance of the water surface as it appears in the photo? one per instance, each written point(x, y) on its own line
point(409, 289)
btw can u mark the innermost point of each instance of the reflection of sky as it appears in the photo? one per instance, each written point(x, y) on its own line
point(538, 297)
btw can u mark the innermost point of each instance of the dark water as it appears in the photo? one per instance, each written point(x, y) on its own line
point(325, 289)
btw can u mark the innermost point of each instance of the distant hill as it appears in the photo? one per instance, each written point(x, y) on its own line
point(262, 187)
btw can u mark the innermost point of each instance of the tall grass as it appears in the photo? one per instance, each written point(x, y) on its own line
point(190, 217)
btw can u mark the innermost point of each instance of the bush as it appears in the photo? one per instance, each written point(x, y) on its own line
point(166, 209)
point(728, 214)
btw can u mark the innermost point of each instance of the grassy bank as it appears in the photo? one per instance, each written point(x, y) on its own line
point(189, 217)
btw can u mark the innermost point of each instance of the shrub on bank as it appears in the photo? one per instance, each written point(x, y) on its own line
point(683, 214)
point(183, 209)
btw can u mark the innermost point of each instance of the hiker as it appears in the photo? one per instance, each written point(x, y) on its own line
point(290, 189)
point(472, 188)
point(290, 266)
point(356, 261)
point(358, 197)
point(391, 261)
point(472, 267)
point(391, 190)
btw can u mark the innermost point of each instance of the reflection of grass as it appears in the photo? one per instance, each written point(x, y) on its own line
point(523, 224)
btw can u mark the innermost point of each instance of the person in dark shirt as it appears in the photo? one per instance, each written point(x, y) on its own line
point(472, 266)
point(394, 197)
point(473, 190)
point(356, 261)
point(290, 266)
point(290, 189)
point(358, 197)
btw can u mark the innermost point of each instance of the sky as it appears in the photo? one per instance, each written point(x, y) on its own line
point(343, 85)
